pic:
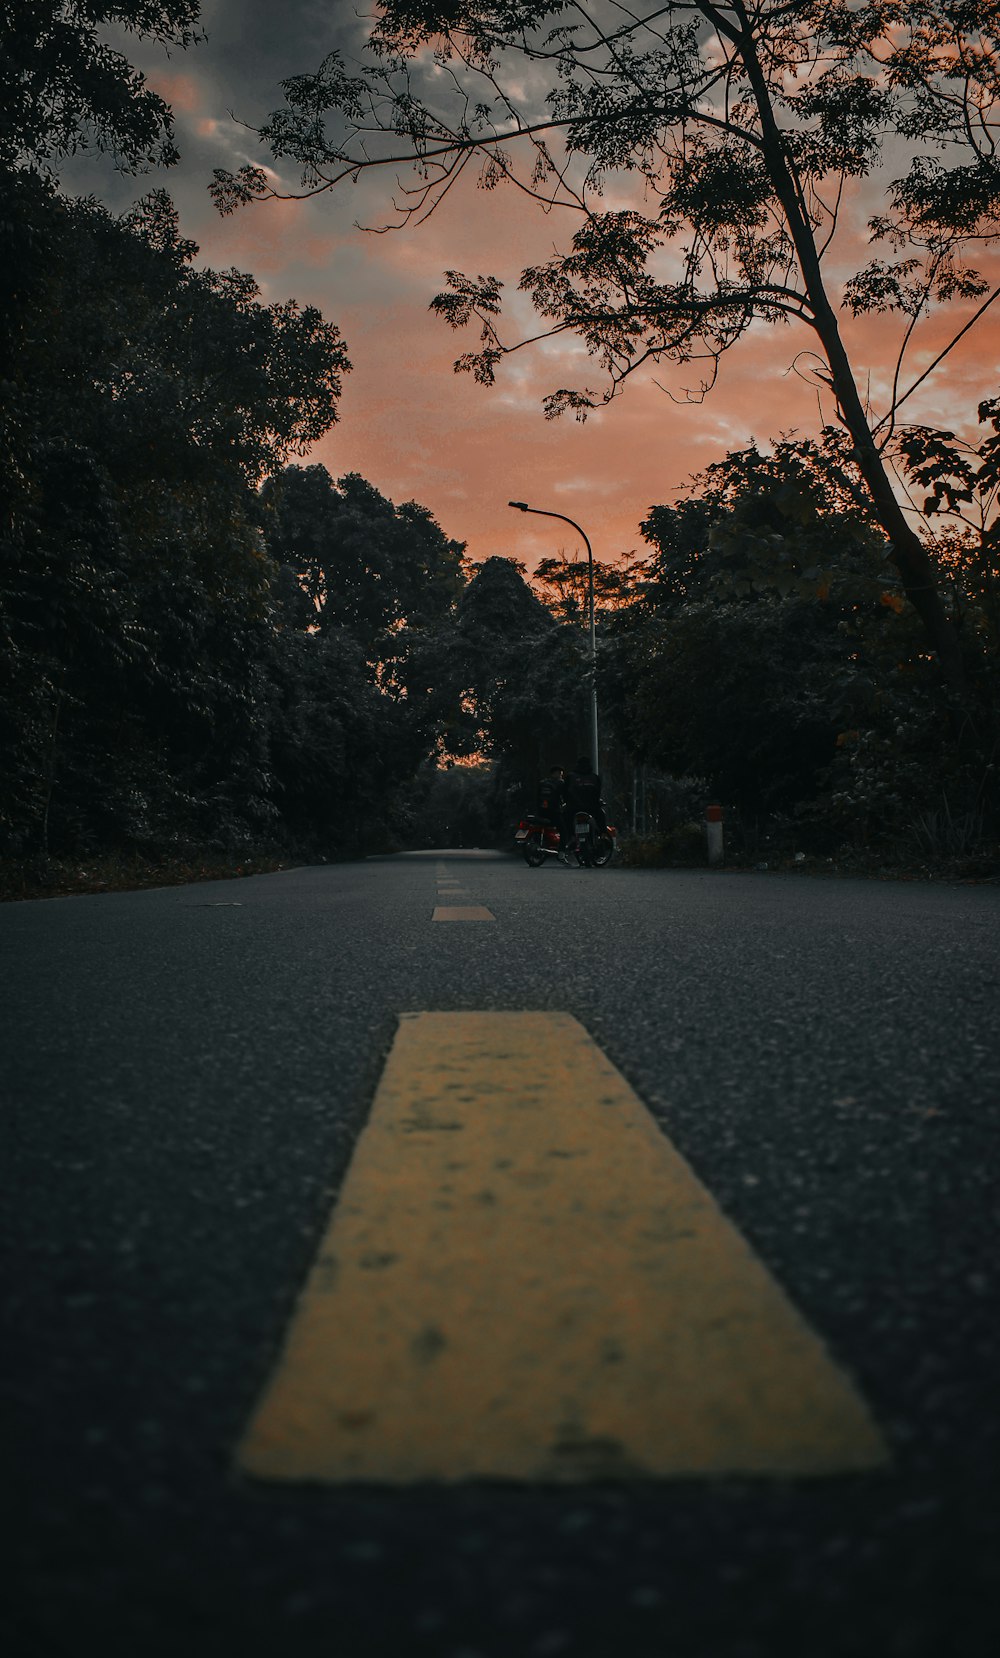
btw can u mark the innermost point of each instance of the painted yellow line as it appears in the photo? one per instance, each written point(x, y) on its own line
point(462, 912)
point(523, 1280)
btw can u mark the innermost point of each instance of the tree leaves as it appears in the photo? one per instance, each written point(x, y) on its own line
point(377, 570)
point(63, 86)
point(144, 399)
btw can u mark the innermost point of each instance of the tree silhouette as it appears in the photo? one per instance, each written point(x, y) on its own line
point(63, 86)
point(731, 134)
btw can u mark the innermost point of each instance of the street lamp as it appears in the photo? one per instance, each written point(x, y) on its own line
point(522, 506)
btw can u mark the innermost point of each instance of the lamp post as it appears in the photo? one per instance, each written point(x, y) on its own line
point(522, 506)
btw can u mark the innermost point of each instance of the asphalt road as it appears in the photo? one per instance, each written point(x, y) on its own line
point(184, 1074)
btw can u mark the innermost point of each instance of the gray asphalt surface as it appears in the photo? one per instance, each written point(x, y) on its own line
point(184, 1073)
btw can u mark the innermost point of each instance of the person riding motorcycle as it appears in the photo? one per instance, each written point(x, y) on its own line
point(583, 793)
point(552, 796)
point(553, 805)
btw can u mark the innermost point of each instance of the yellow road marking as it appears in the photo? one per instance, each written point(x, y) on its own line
point(523, 1280)
point(462, 912)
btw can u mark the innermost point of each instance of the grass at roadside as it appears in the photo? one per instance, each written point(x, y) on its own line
point(60, 877)
point(686, 849)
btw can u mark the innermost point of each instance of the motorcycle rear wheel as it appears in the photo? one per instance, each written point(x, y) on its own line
point(533, 854)
point(603, 852)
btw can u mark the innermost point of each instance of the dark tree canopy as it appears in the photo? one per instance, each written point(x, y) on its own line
point(767, 649)
point(794, 519)
point(364, 563)
point(144, 399)
point(521, 673)
point(165, 680)
point(564, 584)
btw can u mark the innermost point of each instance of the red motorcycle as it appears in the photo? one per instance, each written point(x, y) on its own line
point(537, 838)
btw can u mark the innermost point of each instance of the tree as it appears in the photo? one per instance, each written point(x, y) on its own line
point(63, 85)
point(366, 593)
point(143, 401)
point(520, 677)
point(767, 650)
point(446, 805)
point(960, 508)
point(796, 519)
point(731, 131)
point(339, 749)
point(376, 569)
point(564, 585)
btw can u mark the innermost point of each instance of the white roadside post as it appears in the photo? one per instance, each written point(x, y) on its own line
point(713, 833)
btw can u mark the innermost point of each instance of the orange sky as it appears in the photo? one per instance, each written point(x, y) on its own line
point(417, 430)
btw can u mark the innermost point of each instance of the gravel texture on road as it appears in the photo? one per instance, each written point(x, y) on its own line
point(185, 1073)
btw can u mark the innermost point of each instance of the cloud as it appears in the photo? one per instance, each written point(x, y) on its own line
point(180, 91)
point(412, 426)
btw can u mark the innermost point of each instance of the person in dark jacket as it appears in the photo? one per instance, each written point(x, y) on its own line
point(552, 796)
point(583, 791)
point(553, 804)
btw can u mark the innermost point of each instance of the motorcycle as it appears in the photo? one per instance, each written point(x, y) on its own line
point(593, 844)
point(537, 838)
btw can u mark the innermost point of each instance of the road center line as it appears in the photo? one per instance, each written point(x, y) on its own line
point(523, 1279)
point(462, 912)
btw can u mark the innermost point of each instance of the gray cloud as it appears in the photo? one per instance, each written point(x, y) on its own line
point(250, 47)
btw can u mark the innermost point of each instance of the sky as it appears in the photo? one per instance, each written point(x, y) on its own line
point(408, 423)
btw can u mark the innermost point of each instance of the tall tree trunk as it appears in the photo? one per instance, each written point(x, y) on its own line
point(910, 556)
point(920, 581)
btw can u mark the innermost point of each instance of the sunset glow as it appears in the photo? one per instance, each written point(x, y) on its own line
point(419, 431)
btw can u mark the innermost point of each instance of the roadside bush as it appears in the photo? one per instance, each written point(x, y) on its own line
point(683, 846)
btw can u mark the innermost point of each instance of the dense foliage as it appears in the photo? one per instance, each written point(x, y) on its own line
point(368, 592)
point(768, 648)
point(63, 86)
point(174, 669)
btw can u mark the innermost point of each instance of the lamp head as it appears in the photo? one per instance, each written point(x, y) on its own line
point(522, 506)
